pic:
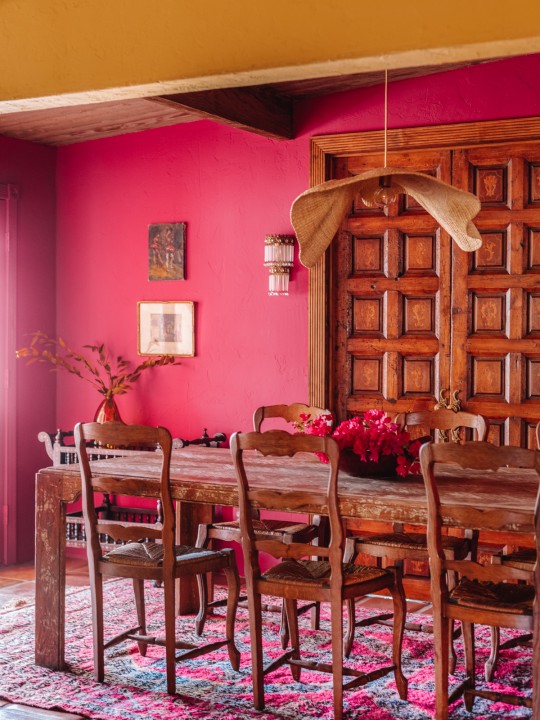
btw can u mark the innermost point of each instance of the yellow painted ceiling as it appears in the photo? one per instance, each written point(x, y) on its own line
point(104, 49)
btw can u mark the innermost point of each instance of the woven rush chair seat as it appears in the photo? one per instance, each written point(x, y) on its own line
point(312, 572)
point(499, 597)
point(285, 531)
point(522, 558)
point(150, 554)
point(414, 541)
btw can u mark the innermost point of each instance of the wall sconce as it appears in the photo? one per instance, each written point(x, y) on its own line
point(278, 258)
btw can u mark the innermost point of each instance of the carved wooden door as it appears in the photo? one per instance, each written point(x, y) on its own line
point(414, 316)
point(391, 298)
point(496, 292)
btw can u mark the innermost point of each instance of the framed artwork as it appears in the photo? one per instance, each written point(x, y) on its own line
point(166, 251)
point(166, 328)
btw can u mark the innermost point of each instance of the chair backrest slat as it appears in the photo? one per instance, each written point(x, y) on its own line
point(444, 420)
point(289, 413)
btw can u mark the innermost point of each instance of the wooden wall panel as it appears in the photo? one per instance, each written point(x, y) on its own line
point(495, 292)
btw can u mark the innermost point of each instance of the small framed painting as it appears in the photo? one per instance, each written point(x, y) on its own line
point(166, 251)
point(166, 328)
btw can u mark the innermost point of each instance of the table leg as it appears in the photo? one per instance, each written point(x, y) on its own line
point(188, 517)
point(50, 572)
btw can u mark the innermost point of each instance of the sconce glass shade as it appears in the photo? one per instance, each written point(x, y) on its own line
point(278, 258)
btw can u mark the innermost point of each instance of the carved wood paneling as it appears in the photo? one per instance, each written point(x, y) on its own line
point(496, 354)
point(490, 185)
point(532, 306)
point(488, 315)
point(418, 376)
point(419, 315)
point(368, 254)
point(390, 313)
point(495, 293)
point(531, 237)
point(368, 315)
point(420, 254)
point(493, 255)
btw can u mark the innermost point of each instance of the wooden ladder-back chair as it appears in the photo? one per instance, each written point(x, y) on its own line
point(521, 557)
point(484, 594)
point(148, 552)
point(401, 545)
point(296, 578)
point(284, 530)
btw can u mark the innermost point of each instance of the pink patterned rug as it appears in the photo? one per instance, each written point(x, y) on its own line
point(134, 687)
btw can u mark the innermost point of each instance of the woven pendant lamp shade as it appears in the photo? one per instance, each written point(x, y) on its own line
point(317, 213)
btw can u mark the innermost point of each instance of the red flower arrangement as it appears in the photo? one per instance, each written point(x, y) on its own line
point(371, 436)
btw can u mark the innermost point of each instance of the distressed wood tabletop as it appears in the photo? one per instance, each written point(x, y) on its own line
point(204, 477)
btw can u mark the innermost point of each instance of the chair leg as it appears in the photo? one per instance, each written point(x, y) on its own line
point(200, 620)
point(170, 634)
point(441, 636)
point(336, 612)
point(284, 627)
point(202, 583)
point(351, 627)
point(255, 634)
point(316, 616)
point(452, 580)
point(138, 591)
point(233, 593)
point(493, 658)
point(400, 611)
point(291, 609)
point(452, 658)
point(96, 592)
point(468, 644)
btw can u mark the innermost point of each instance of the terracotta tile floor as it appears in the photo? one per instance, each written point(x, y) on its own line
point(18, 581)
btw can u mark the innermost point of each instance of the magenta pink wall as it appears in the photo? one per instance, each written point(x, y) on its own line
point(489, 91)
point(231, 188)
point(31, 168)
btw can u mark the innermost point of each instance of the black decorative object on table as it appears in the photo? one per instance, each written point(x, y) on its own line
point(205, 440)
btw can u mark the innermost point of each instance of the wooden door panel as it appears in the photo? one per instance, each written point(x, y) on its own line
point(391, 310)
point(496, 292)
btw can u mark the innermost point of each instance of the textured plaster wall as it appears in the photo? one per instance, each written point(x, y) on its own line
point(32, 169)
point(231, 188)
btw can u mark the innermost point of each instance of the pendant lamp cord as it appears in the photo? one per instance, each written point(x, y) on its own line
point(385, 114)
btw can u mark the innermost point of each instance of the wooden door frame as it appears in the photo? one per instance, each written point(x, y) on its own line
point(324, 149)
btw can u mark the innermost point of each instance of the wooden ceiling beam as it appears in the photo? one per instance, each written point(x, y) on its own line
point(256, 111)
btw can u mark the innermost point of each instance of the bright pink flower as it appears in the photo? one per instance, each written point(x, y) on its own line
point(370, 436)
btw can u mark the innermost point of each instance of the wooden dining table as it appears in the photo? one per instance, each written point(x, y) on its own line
point(202, 478)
